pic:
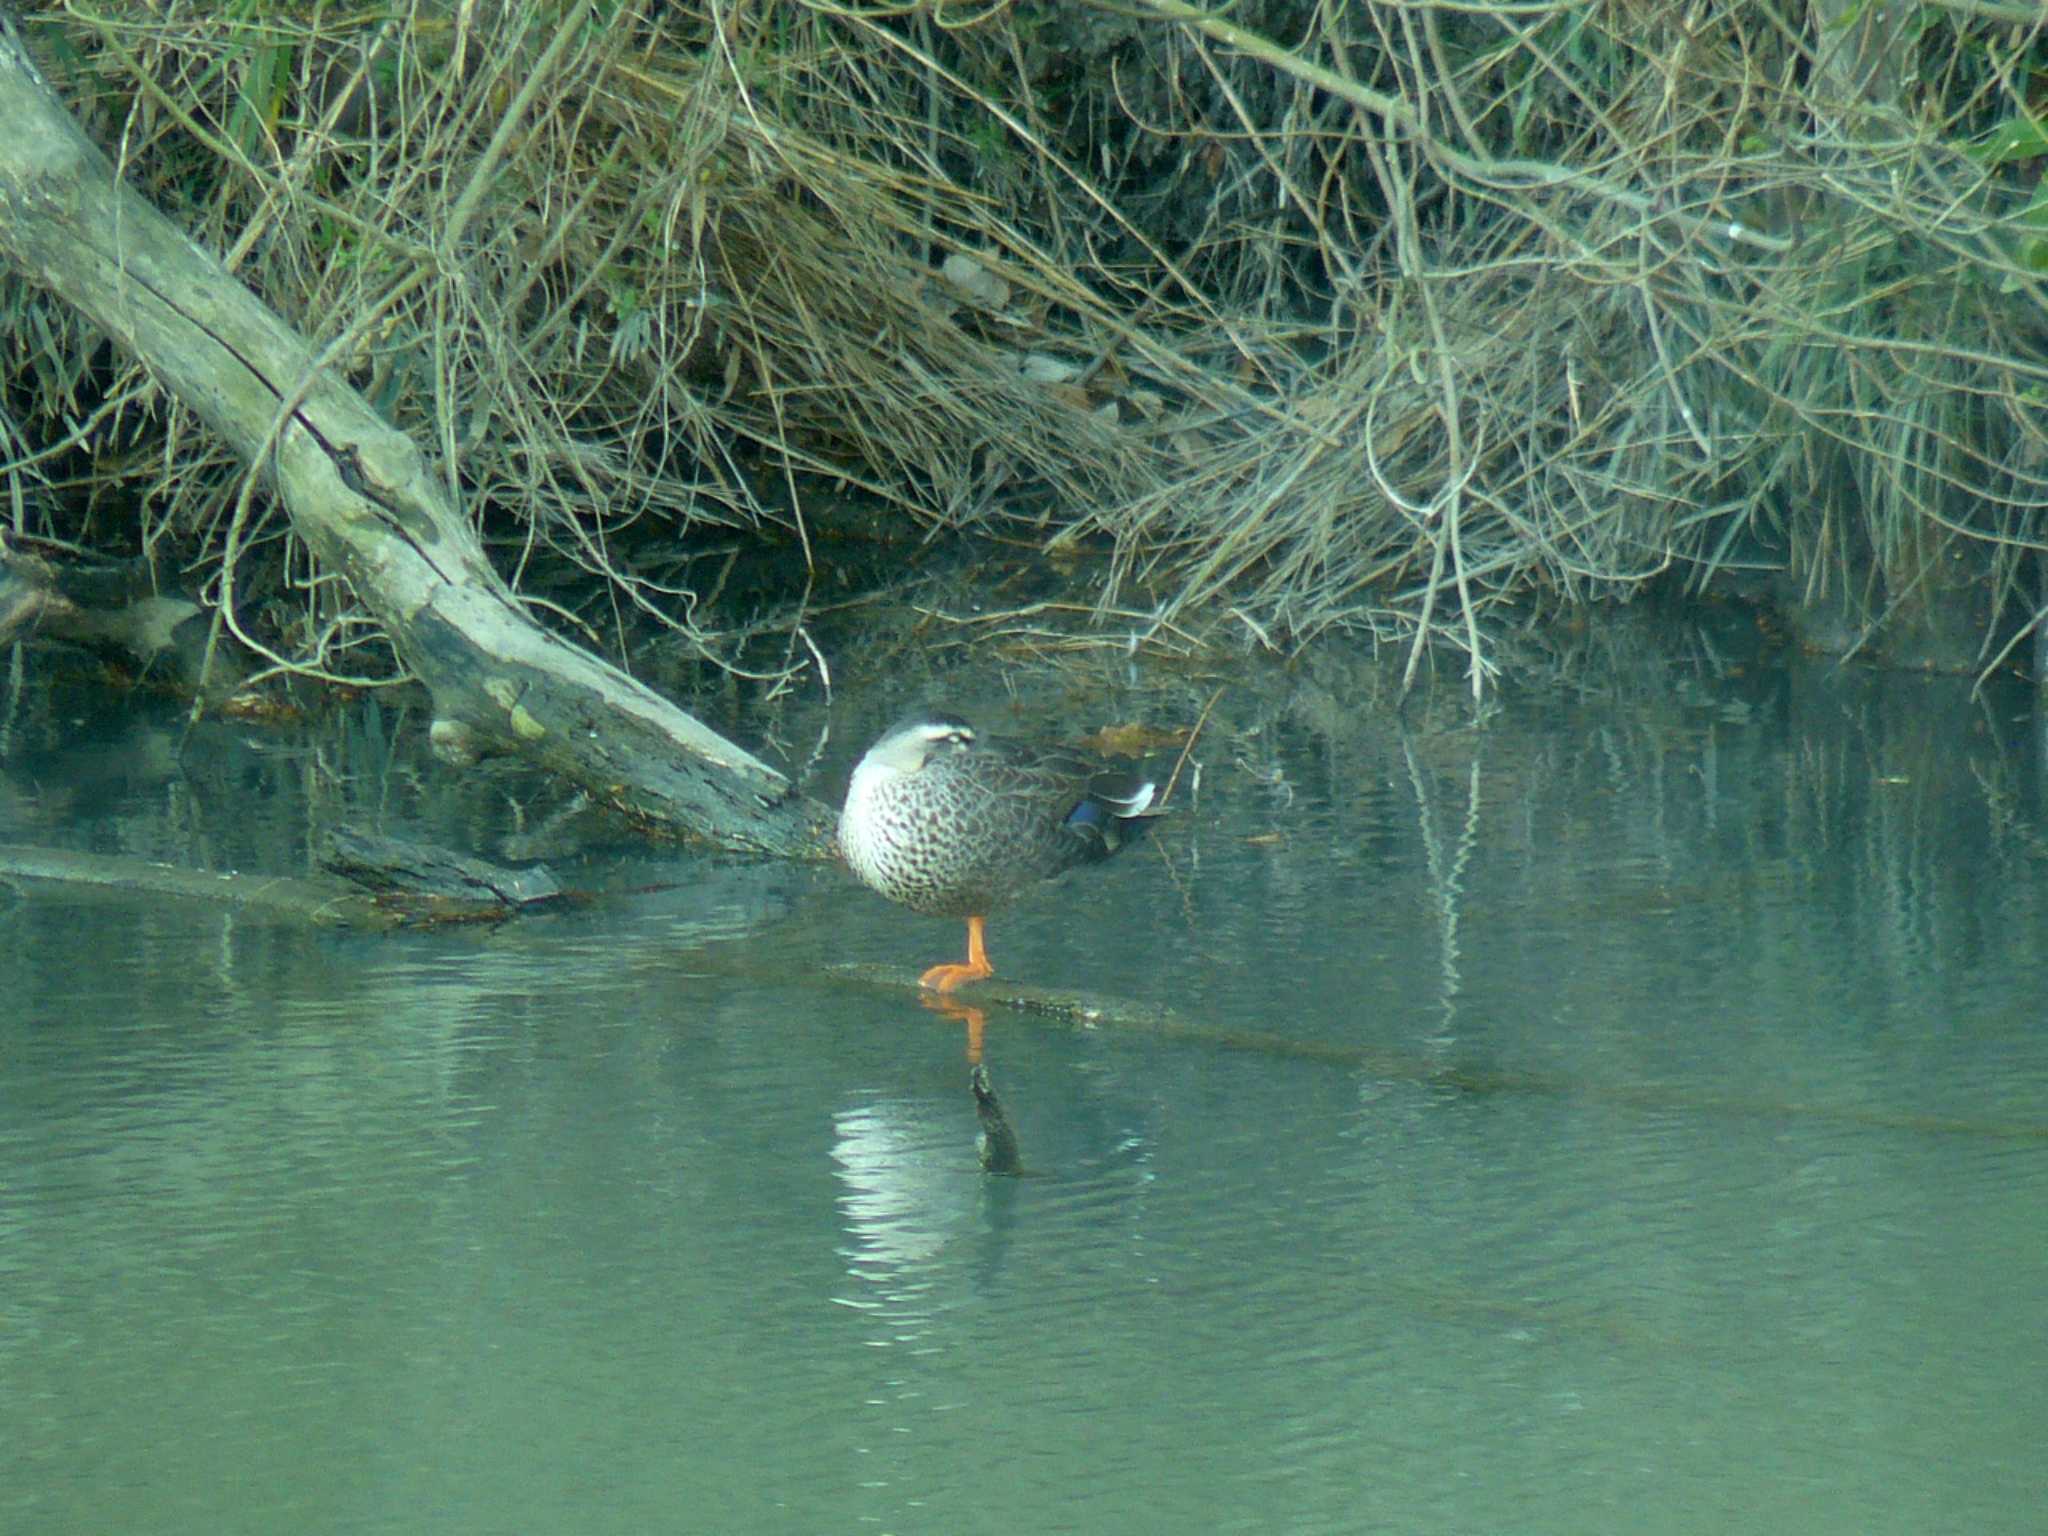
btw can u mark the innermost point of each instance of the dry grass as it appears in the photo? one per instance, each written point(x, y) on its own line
point(1431, 311)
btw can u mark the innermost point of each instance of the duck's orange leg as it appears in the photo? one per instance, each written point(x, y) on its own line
point(944, 978)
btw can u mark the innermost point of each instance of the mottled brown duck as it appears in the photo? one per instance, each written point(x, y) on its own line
point(953, 823)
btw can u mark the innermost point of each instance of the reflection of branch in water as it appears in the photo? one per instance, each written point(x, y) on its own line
point(998, 1144)
point(1187, 750)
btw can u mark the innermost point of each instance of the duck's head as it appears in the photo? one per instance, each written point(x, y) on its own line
point(916, 739)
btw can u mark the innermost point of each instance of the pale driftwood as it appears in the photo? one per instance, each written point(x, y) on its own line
point(364, 498)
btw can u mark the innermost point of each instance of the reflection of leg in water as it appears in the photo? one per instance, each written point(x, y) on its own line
point(968, 1014)
point(999, 1152)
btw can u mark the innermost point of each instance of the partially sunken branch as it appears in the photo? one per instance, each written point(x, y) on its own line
point(363, 497)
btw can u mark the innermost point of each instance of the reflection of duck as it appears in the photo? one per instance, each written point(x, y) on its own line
point(953, 823)
point(907, 1191)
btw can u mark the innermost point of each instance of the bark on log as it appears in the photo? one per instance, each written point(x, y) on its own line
point(391, 866)
point(364, 498)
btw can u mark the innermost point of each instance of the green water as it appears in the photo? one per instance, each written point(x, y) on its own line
point(1633, 1117)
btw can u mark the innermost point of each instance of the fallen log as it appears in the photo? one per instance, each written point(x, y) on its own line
point(365, 499)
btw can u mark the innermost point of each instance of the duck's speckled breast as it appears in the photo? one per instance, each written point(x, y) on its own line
point(940, 842)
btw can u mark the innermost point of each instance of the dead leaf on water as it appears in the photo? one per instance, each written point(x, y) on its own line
point(1132, 740)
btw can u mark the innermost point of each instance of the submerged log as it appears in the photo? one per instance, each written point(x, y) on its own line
point(999, 1151)
point(382, 883)
point(364, 498)
point(328, 903)
point(1097, 1012)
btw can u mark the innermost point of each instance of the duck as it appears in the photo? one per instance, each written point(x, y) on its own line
point(950, 822)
